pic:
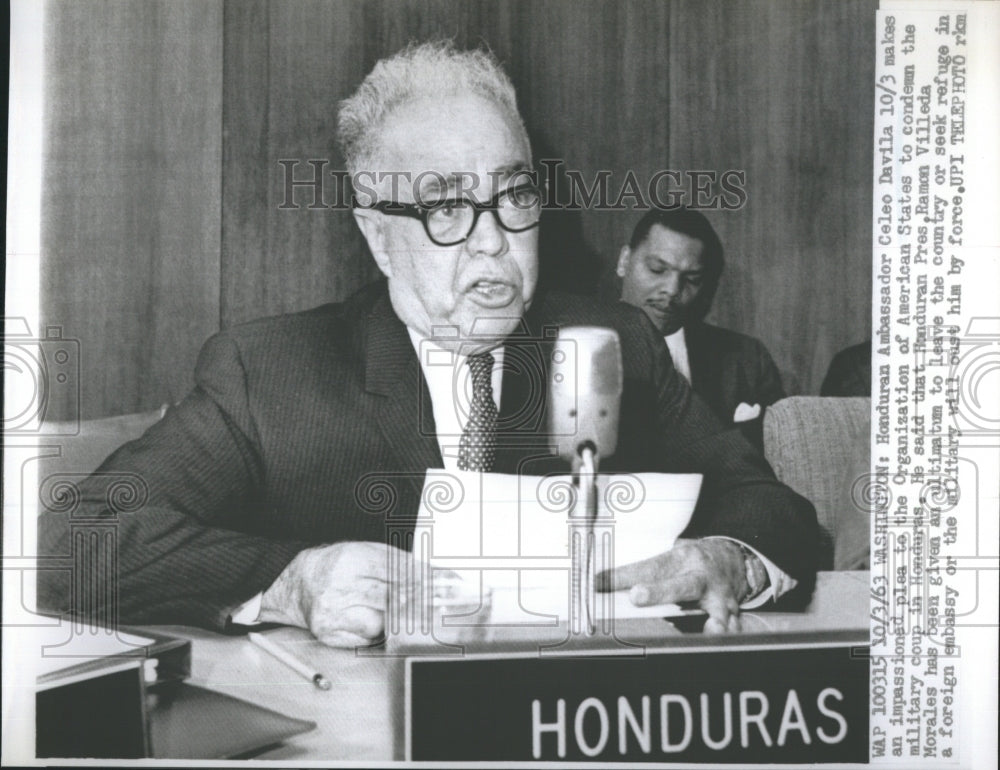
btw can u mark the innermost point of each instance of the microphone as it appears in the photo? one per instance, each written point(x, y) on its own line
point(584, 397)
point(585, 393)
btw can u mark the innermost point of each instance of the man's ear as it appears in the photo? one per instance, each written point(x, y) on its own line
point(371, 224)
point(623, 258)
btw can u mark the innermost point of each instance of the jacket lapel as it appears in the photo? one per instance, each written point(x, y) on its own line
point(523, 444)
point(706, 368)
point(405, 418)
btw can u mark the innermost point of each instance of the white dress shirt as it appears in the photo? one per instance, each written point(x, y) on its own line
point(677, 344)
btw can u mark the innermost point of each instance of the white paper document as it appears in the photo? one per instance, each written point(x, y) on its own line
point(507, 538)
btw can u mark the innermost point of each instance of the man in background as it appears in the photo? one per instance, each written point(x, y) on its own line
point(671, 268)
point(850, 372)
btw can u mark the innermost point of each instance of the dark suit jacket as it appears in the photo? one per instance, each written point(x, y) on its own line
point(850, 372)
point(317, 427)
point(729, 369)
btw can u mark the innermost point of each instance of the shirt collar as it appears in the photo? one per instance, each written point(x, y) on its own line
point(677, 344)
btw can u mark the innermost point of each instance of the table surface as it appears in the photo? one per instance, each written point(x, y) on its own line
point(360, 718)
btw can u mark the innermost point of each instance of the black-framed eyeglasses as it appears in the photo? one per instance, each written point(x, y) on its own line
point(450, 221)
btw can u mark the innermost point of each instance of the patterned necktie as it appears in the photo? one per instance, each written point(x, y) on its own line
point(477, 449)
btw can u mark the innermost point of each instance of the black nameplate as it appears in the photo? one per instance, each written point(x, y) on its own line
point(100, 716)
point(777, 704)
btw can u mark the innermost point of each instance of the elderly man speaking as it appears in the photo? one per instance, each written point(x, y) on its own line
point(255, 509)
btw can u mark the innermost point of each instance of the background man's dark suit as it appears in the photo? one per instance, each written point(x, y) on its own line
point(729, 369)
point(850, 372)
point(315, 427)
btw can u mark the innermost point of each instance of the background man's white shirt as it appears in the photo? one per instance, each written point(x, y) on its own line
point(677, 344)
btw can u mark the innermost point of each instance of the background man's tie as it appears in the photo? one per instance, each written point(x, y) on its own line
point(477, 449)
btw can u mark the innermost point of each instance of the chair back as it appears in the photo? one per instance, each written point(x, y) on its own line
point(79, 448)
point(820, 447)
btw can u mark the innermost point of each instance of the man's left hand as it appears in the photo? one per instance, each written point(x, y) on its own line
point(710, 572)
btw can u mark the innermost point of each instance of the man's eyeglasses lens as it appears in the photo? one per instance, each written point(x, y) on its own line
point(452, 221)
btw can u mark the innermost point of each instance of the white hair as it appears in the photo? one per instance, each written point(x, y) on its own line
point(436, 70)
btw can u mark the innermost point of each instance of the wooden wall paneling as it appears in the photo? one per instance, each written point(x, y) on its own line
point(646, 118)
point(391, 24)
point(286, 66)
point(130, 202)
point(316, 60)
point(782, 90)
point(245, 241)
point(591, 79)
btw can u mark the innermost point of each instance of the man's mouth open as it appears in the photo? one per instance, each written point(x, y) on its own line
point(491, 293)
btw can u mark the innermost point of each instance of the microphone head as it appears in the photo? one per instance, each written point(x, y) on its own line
point(585, 391)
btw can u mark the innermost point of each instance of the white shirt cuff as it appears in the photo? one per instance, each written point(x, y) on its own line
point(248, 613)
point(780, 582)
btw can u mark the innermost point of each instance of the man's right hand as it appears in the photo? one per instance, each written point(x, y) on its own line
point(339, 592)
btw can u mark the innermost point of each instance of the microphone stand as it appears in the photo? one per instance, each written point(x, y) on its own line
point(591, 547)
point(585, 512)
